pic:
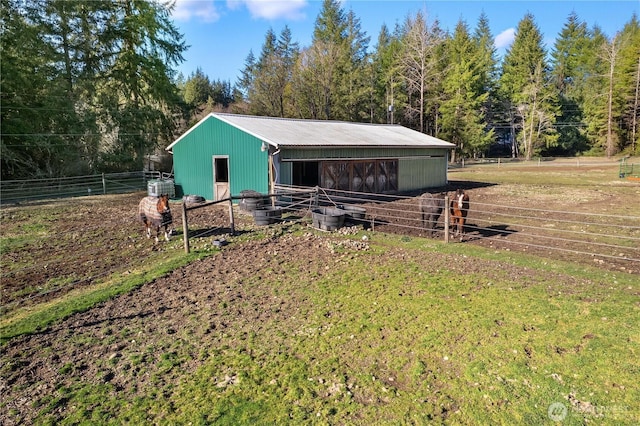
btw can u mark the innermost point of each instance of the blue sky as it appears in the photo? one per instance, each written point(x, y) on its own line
point(221, 33)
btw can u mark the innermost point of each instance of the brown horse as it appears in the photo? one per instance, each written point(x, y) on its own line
point(459, 209)
point(154, 212)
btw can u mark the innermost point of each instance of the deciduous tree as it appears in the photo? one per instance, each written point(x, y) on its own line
point(464, 96)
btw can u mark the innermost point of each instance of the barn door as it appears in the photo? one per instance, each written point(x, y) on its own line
point(221, 188)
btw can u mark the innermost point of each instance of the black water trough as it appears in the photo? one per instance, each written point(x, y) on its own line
point(354, 213)
point(253, 201)
point(267, 215)
point(328, 218)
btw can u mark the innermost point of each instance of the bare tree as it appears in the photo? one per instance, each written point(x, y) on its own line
point(537, 114)
point(420, 63)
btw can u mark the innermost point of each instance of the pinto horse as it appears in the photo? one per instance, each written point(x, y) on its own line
point(431, 206)
point(154, 212)
point(459, 209)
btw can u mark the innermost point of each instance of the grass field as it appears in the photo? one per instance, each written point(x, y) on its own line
point(294, 326)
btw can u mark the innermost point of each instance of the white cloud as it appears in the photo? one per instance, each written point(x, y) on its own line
point(272, 9)
point(505, 38)
point(204, 10)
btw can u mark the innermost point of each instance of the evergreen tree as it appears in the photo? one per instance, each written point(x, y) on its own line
point(462, 117)
point(388, 95)
point(245, 82)
point(47, 71)
point(261, 94)
point(325, 63)
point(525, 84)
point(594, 102)
point(331, 23)
point(222, 94)
point(269, 94)
point(570, 73)
point(351, 81)
point(100, 75)
point(137, 90)
point(488, 73)
point(627, 85)
point(197, 88)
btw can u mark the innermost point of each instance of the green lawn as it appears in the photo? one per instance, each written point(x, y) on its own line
point(411, 331)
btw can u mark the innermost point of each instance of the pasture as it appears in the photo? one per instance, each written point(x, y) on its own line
point(288, 325)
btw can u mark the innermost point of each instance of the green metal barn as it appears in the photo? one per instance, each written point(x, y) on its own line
point(225, 154)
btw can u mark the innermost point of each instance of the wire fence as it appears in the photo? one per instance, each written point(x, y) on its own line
point(13, 191)
point(610, 240)
point(537, 161)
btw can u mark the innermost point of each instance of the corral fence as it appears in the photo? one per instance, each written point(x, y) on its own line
point(13, 191)
point(283, 200)
point(599, 237)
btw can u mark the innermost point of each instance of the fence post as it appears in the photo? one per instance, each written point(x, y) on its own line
point(446, 218)
point(232, 226)
point(104, 185)
point(185, 228)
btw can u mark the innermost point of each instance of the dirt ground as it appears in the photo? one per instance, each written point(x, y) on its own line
point(89, 238)
point(591, 227)
point(98, 235)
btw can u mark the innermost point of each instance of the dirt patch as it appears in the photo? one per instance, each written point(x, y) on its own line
point(122, 342)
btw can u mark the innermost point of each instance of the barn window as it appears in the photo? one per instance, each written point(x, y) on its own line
point(373, 176)
point(305, 173)
point(221, 167)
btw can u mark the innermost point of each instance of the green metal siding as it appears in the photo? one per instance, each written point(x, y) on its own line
point(421, 173)
point(285, 175)
point(193, 159)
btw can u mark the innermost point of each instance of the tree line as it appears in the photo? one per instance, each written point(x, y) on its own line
point(86, 86)
point(91, 85)
point(580, 97)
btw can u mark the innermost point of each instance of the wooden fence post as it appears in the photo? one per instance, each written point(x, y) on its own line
point(185, 227)
point(104, 185)
point(446, 218)
point(232, 225)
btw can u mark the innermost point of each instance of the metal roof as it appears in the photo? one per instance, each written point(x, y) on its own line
point(287, 132)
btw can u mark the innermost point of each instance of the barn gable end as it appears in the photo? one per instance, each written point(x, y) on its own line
point(194, 153)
